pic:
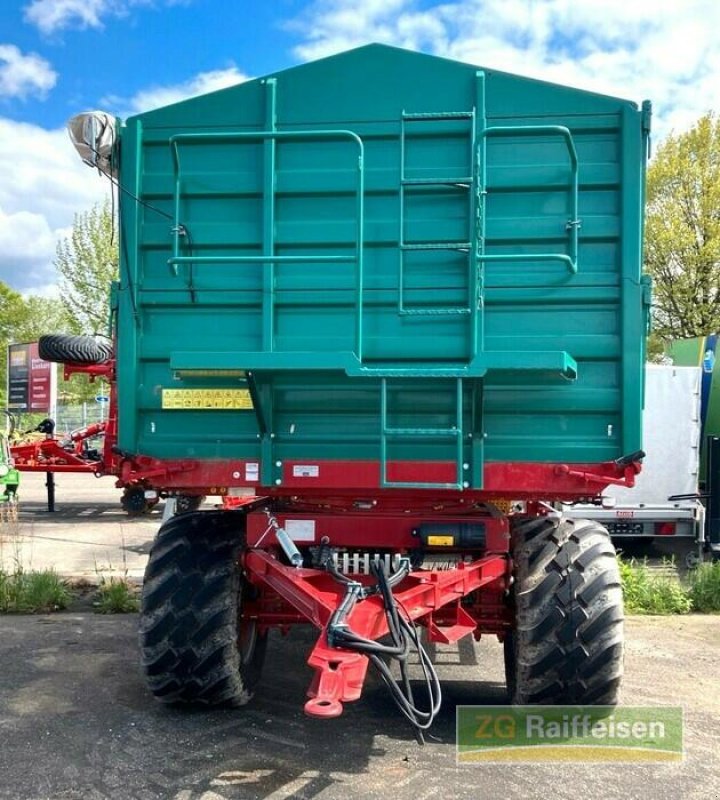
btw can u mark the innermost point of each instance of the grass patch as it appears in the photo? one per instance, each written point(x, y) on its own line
point(116, 596)
point(704, 588)
point(32, 592)
point(648, 593)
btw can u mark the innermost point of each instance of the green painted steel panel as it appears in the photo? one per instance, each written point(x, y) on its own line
point(383, 217)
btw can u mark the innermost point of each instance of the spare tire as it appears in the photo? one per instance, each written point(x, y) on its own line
point(66, 348)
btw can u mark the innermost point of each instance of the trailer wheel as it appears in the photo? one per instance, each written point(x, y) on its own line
point(134, 502)
point(567, 646)
point(196, 647)
point(64, 348)
point(185, 503)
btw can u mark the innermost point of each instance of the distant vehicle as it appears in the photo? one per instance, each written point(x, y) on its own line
point(664, 507)
point(701, 352)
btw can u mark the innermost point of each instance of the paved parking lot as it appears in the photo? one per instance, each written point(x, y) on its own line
point(87, 535)
point(76, 722)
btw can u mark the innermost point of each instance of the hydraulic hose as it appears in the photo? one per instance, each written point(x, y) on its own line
point(404, 638)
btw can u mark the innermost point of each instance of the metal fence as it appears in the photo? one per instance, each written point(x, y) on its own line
point(72, 417)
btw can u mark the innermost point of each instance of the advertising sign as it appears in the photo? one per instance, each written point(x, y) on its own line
point(32, 382)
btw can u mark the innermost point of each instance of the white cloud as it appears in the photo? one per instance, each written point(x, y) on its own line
point(666, 51)
point(331, 26)
point(51, 16)
point(24, 74)
point(43, 185)
point(26, 245)
point(157, 96)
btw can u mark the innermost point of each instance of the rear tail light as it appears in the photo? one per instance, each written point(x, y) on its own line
point(664, 528)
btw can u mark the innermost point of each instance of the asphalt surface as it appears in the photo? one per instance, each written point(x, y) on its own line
point(88, 535)
point(77, 723)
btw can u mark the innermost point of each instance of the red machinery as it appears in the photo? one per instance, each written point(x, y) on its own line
point(71, 454)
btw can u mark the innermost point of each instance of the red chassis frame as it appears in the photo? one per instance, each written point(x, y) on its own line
point(432, 597)
point(467, 595)
point(451, 603)
point(516, 480)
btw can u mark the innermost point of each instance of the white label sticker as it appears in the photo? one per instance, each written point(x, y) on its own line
point(300, 530)
point(306, 471)
point(252, 471)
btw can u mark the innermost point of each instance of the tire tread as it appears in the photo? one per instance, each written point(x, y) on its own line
point(67, 348)
point(567, 647)
point(190, 613)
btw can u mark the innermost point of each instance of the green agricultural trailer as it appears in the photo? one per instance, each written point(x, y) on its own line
point(398, 301)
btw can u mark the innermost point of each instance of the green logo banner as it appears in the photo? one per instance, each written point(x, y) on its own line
point(569, 733)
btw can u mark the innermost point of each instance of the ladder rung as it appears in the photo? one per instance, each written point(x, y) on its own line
point(429, 312)
point(440, 115)
point(421, 432)
point(418, 372)
point(437, 246)
point(465, 182)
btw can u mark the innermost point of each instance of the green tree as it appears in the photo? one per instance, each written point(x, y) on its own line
point(25, 319)
point(42, 315)
point(38, 316)
point(87, 262)
point(682, 239)
point(12, 313)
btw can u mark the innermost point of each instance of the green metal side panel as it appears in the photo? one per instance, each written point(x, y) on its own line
point(400, 256)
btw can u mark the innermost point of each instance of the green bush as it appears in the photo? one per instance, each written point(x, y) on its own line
point(646, 593)
point(32, 592)
point(704, 587)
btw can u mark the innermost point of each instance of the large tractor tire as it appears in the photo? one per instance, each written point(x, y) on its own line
point(567, 646)
point(65, 348)
point(196, 646)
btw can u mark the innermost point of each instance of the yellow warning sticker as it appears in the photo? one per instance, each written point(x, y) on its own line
point(440, 541)
point(212, 399)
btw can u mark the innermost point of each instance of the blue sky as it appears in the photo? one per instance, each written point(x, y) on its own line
point(59, 57)
point(139, 46)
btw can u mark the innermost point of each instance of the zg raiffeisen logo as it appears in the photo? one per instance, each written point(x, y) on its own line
point(568, 733)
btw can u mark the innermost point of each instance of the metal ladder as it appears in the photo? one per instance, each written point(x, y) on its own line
point(408, 185)
point(467, 374)
point(479, 360)
point(465, 182)
point(454, 433)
